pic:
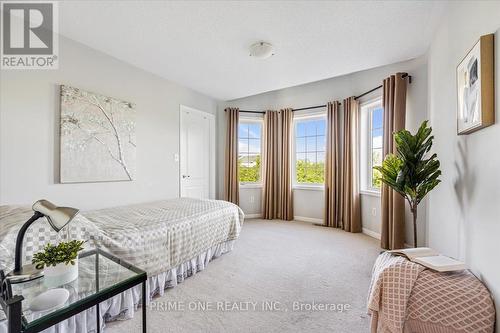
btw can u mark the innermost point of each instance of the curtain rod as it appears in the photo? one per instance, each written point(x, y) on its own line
point(324, 105)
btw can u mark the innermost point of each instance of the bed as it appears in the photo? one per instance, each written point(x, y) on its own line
point(170, 240)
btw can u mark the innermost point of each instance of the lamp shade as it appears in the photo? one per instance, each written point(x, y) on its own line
point(58, 217)
point(261, 50)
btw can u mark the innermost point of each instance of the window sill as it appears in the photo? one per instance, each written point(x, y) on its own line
point(371, 193)
point(309, 187)
point(250, 185)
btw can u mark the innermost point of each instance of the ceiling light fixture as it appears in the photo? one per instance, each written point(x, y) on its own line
point(261, 50)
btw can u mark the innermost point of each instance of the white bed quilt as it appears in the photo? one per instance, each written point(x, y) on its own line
point(154, 236)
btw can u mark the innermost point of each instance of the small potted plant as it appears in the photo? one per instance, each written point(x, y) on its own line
point(60, 262)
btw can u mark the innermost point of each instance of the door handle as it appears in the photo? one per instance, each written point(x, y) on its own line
point(185, 176)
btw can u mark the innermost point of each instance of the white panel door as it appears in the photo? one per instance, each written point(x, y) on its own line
point(196, 153)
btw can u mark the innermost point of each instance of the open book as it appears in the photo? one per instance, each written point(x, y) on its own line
point(431, 259)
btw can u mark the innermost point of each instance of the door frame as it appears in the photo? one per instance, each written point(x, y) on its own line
point(212, 157)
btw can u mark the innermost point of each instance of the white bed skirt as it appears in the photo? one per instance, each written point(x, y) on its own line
point(124, 305)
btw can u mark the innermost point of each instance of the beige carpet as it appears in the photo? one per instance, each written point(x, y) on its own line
point(254, 287)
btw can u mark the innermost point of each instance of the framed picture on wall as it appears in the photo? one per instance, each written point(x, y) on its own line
point(475, 87)
point(97, 138)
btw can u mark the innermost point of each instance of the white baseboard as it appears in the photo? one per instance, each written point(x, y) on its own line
point(308, 219)
point(253, 216)
point(296, 218)
point(371, 233)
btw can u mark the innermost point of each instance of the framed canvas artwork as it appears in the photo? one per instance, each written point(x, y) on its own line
point(97, 137)
point(475, 87)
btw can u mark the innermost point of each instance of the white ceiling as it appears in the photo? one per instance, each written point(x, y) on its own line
point(204, 45)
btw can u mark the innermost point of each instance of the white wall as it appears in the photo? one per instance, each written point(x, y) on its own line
point(464, 209)
point(29, 124)
point(309, 203)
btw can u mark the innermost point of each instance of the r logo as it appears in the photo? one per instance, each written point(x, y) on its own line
point(29, 39)
point(27, 28)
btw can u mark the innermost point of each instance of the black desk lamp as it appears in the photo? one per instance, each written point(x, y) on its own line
point(58, 218)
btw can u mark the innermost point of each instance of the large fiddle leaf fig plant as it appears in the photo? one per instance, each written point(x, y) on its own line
point(411, 171)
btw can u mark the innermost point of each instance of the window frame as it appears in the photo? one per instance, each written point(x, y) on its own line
point(297, 118)
point(366, 109)
point(259, 120)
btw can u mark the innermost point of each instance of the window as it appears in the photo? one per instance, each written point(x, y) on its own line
point(249, 148)
point(372, 119)
point(310, 147)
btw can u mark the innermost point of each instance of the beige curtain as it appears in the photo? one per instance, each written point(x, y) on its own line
point(393, 206)
point(350, 202)
point(332, 166)
point(277, 200)
point(231, 179)
point(285, 203)
point(270, 165)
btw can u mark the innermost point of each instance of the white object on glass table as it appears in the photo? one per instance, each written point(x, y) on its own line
point(49, 300)
point(60, 274)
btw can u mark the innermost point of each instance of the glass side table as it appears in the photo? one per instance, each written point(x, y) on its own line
point(100, 277)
